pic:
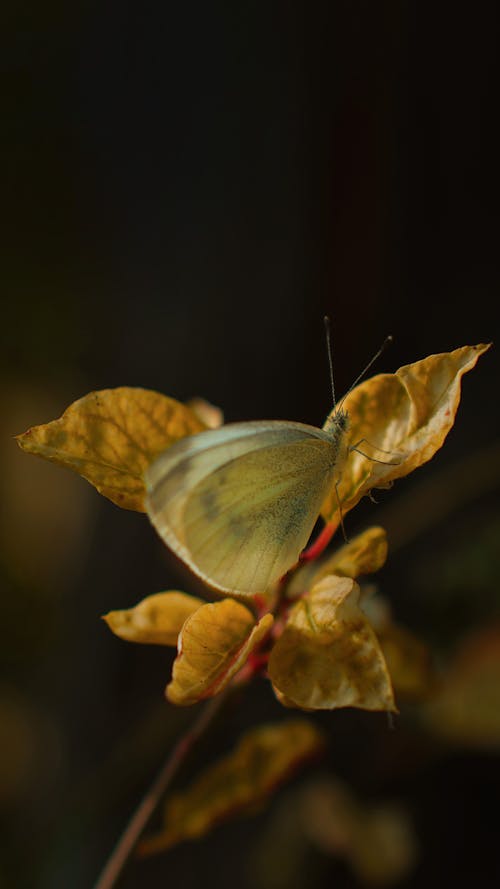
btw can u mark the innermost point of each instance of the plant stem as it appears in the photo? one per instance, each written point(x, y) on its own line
point(320, 544)
point(153, 795)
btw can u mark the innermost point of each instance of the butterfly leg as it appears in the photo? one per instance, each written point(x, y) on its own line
point(355, 447)
point(341, 515)
point(375, 448)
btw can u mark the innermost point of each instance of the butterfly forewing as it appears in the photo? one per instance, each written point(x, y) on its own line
point(173, 475)
point(238, 504)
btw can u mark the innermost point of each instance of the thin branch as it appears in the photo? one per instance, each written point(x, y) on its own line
point(319, 545)
point(149, 802)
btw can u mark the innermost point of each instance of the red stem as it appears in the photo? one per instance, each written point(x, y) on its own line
point(320, 544)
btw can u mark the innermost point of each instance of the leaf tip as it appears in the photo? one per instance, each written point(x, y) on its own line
point(116, 621)
point(108, 619)
point(481, 348)
point(21, 438)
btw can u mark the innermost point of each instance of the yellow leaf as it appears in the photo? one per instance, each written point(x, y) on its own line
point(364, 554)
point(409, 662)
point(213, 645)
point(210, 415)
point(237, 783)
point(110, 438)
point(466, 708)
point(407, 414)
point(157, 619)
point(328, 655)
point(287, 702)
point(408, 659)
point(377, 839)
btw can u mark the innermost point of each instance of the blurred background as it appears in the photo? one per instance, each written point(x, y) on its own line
point(187, 189)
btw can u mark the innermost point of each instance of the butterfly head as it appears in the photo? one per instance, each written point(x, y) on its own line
point(336, 424)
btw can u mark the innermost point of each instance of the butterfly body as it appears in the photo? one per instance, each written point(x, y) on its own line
point(238, 503)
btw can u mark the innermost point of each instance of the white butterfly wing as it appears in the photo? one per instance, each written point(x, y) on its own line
point(238, 504)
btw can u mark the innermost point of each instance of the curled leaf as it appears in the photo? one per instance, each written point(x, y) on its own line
point(328, 655)
point(401, 419)
point(237, 783)
point(364, 554)
point(214, 644)
point(110, 438)
point(157, 619)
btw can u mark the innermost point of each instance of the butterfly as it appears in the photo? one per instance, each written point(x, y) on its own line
point(238, 504)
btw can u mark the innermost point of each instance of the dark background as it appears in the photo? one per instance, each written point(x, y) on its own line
point(187, 189)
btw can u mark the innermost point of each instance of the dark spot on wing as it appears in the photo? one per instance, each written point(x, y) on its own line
point(209, 503)
point(239, 527)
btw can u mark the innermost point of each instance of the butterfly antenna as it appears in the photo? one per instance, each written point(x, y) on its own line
point(327, 322)
point(389, 339)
